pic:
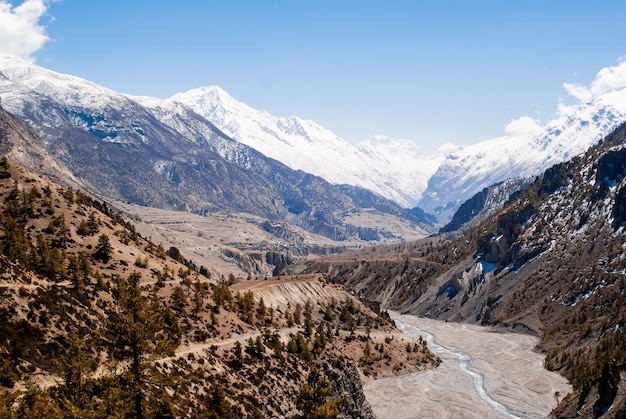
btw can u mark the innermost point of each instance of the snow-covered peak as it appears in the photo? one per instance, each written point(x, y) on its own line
point(236, 118)
point(63, 88)
point(210, 100)
point(524, 153)
point(298, 143)
point(383, 166)
point(393, 168)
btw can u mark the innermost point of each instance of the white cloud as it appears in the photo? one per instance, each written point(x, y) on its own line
point(580, 92)
point(522, 125)
point(609, 79)
point(21, 33)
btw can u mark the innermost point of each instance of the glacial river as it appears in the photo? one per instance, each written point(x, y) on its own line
point(484, 374)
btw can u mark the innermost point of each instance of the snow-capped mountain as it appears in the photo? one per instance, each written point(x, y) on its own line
point(163, 154)
point(395, 168)
point(208, 119)
point(469, 169)
point(389, 167)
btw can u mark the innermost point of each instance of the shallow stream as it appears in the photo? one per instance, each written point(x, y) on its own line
point(463, 363)
point(485, 373)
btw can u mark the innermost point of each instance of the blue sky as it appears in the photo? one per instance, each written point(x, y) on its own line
point(430, 71)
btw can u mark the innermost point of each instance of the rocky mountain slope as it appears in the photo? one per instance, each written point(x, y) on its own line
point(483, 204)
point(551, 262)
point(258, 248)
point(97, 321)
point(24, 147)
point(392, 168)
point(174, 158)
point(467, 170)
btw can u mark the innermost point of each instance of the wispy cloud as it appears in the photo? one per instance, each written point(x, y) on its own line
point(21, 33)
point(609, 79)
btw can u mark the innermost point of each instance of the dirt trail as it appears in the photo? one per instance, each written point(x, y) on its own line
point(197, 347)
point(203, 346)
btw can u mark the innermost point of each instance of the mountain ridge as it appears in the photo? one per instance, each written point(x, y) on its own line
point(305, 145)
point(175, 159)
point(468, 169)
point(445, 179)
point(392, 168)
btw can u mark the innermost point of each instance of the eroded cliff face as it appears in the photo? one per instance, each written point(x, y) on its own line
point(346, 383)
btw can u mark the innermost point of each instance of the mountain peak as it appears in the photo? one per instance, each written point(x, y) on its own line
point(305, 145)
point(392, 168)
point(203, 91)
point(206, 97)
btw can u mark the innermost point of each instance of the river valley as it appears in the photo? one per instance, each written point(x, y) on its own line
point(485, 373)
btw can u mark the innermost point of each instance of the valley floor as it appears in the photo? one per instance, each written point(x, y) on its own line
point(514, 382)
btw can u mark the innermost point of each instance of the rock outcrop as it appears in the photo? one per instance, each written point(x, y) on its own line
point(346, 384)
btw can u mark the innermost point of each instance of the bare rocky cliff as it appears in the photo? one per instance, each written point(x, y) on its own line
point(23, 146)
point(347, 385)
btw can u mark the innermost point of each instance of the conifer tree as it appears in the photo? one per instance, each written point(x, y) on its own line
point(297, 314)
point(179, 299)
point(221, 294)
point(218, 406)
point(198, 296)
point(14, 241)
point(238, 360)
point(103, 249)
point(74, 366)
point(313, 398)
point(261, 311)
point(136, 331)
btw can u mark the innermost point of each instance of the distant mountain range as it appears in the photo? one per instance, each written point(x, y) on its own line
point(181, 134)
point(395, 168)
point(166, 155)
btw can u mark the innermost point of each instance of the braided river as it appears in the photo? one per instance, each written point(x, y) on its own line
point(485, 373)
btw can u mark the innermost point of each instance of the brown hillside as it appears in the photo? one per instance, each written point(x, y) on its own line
point(97, 321)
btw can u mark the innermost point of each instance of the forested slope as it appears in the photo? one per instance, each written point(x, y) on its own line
point(97, 321)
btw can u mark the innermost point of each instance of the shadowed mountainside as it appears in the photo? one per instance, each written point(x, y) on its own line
point(177, 159)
